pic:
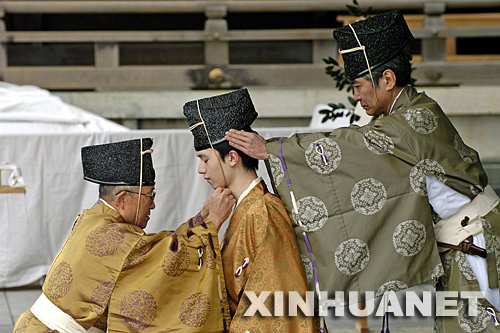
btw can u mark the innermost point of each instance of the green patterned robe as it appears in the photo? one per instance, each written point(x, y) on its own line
point(362, 200)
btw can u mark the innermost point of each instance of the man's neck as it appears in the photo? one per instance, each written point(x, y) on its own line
point(107, 204)
point(241, 182)
point(397, 93)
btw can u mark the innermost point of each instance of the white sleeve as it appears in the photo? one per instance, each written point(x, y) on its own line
point(444, 200)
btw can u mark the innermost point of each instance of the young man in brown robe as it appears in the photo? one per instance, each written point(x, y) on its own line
point(259, 249)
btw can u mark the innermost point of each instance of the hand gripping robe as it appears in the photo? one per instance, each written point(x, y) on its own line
point(259, 250)
point(260, 254)
point(359, 194)
point(112, 276)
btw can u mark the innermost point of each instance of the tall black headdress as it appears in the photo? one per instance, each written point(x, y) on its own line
point(119, 163)
point(368, 44)
point(126, 163)
point(210, 118)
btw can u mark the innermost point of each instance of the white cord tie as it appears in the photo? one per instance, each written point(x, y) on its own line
point(148, 151)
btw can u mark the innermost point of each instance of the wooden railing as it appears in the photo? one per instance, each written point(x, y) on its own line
point(438, 63)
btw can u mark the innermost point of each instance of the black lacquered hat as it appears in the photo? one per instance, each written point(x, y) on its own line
point(218, 114)
point(382, 36)
point(119, 163)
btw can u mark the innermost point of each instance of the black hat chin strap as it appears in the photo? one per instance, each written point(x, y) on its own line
point(202, 122)
point(363, 48)
point(148, 151)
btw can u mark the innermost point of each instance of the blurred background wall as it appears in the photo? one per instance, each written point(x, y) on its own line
point(137, 62)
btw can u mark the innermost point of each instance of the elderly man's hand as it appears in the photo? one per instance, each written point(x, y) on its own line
point(250, 143)
point(218, 206)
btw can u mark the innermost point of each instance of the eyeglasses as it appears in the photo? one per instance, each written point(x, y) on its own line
point(151, 195)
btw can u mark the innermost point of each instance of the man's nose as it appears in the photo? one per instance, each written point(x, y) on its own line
point(201, 169)
point(357, 97)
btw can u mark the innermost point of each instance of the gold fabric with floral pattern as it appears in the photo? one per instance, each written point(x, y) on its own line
point(261, 232)
point(111, 275)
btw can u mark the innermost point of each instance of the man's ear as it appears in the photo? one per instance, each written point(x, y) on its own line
point(120, 201)
point(233, 157)
point(389, 78)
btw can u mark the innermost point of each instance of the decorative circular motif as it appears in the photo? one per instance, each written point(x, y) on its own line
point(308, 267)
point(492, 241)
point(352, 256)
point(378, 143)
point(486, 225)
point(422, 120)
point(176, 263)
point(105, 240)
point(409, 238)
point(418, 172)
point(194, 310)
point(102, 325)
point(136, 256)
point(472, 324)
point(438, 324)
point(476, 189)
point(447, 264)
point(323, 156)
point(389, 286)
point(463, 266)
point(23, 325)
point(467, 154)
point(276, 169)
point(438, 271)
point(368, 196)
point(60, 281)
point(312, 214)
point(435, 217)
point(138, 309)
point(100, 296)
point(333, 303)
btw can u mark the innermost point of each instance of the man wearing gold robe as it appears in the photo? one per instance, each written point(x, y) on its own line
point(259, 249)
point(112, 276)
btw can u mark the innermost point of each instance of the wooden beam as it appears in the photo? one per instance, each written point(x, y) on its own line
point(143, 77)
point(101, 36)
point(83, 78)
point(162, 36)
point(186, 6)
point(231, 35)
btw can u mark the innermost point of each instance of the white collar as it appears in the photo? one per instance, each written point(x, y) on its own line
point(395, 99)
point(252, 185)
point(107, 204)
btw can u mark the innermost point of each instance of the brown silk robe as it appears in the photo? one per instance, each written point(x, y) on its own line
point(261, 231)
point(143, 282)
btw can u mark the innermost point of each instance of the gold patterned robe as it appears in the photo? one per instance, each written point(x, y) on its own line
point(261, 231)
point(111, 275)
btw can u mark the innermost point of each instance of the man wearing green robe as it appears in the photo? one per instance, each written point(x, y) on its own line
point(370, 204)
point(110, 276)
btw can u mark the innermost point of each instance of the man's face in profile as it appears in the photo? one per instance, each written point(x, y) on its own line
point(210, 168)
